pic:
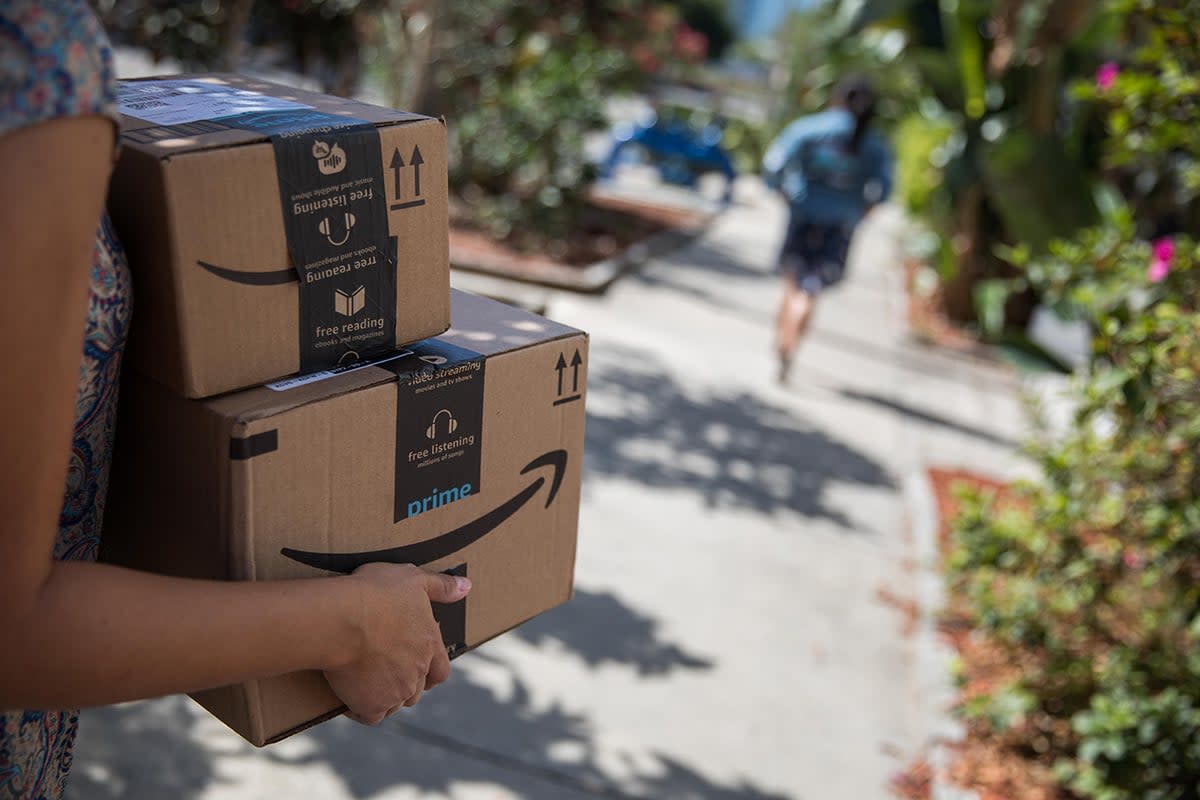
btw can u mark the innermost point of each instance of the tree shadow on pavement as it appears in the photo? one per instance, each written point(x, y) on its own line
point(678, 273)
point(139, 750)
point(926, 417)
point(467, 733)
point(483, 727)
point(675, 275)
point(706, 255)
point(735, 449)
point(600, 629)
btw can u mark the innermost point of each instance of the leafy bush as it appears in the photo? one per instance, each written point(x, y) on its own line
point(523, 84)
point(1093, 580)
point(918, 140)
point(320, 37)
point(519, 159)
point(190, 31)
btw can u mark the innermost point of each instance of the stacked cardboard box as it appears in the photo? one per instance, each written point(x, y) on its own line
point(279, 235)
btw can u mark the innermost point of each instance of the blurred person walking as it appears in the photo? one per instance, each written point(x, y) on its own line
point(832, 169)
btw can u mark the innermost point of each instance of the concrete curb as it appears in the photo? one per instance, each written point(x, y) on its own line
point(934, 657)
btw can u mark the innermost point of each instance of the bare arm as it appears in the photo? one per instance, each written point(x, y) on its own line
point(95, 634)
point(79, 634)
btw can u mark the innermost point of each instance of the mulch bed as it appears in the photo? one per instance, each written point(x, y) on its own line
point(995, 767)
point(611, 227)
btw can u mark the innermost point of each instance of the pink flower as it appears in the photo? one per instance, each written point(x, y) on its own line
point(1160, 261)
point(1106, 76)
point(690, 44)
point(1132, 559)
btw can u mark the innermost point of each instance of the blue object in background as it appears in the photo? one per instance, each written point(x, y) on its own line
point(758, 19)
point(680, 152)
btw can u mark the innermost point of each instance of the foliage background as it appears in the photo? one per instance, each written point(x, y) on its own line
point(523, 83)
point(1092, 583)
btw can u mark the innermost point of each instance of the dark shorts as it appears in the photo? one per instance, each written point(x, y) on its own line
point(814, 254)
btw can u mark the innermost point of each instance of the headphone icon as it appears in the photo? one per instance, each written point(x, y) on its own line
point(327, 229)
point(451, 424)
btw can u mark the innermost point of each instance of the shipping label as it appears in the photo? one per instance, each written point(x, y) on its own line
point(178, 102)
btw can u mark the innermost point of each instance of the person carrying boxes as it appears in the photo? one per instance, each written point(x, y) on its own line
point(359, 635)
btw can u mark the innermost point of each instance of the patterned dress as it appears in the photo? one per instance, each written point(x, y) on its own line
point(55, 62)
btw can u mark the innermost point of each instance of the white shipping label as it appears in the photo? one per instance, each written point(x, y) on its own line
point(304, 380)
point(176, 102)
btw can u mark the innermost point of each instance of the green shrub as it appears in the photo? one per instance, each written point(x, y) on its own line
point(917, 139)
point(1092, 581)
point(519, 158)
point(522, 85)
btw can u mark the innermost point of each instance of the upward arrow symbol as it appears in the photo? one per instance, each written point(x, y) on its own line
point(416, 161)
point(396, 165)
point(561, 368)
point(576, 360)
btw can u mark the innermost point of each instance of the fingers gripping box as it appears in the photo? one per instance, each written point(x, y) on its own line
point(464, 453)
point(272, 231)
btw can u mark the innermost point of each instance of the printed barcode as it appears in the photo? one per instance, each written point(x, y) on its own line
point(157, 91)
point(143, 105)
point(143, 94)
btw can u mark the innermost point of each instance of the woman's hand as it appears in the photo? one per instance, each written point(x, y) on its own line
point(400, 654)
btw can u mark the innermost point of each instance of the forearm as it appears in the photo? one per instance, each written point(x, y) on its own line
point(99, 634)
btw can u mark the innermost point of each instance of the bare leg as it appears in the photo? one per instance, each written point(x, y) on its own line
point(795, 313)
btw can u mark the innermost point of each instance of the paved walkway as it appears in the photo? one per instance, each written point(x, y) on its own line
point(728, 639)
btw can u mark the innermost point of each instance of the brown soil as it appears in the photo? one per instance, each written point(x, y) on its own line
point(996, 767)
point(611, 226)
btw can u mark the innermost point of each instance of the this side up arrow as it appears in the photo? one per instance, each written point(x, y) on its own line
point(576, 360)
point(561, 367)
point(397, 165)
point(416, 161)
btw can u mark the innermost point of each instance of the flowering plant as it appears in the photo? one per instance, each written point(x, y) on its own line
point(1092, 582)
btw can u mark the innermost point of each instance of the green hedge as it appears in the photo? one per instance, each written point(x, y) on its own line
point(1093, 583)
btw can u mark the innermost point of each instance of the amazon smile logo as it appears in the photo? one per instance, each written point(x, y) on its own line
point(276, 277)
point(448, 543)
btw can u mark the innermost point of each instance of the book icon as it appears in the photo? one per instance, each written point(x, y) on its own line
point(349, 303)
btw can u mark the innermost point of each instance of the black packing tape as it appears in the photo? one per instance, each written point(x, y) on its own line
point(247, 447)
point(334, 199)
point(337, 234)
point(439, 427)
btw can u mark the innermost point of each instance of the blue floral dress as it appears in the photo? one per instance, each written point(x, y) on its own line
point(55, 62)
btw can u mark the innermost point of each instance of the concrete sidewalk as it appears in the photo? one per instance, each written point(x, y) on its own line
point(728, 639)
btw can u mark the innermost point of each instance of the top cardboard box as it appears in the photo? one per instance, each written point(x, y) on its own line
point(273, 231)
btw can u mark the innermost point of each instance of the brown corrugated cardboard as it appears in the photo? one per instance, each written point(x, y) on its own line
point(228, 190)
point(465, 454)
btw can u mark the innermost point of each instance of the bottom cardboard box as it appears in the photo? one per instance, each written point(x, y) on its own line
point(464, 454)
